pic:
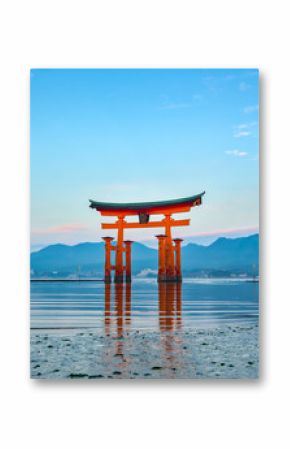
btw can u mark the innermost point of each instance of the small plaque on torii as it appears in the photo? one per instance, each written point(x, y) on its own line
point(143, 218)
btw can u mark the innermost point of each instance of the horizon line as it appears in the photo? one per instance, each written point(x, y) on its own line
point(144, 244)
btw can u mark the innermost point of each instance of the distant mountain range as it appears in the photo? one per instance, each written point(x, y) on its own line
point(225, 256)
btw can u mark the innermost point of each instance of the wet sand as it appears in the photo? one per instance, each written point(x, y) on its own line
point(226, 352)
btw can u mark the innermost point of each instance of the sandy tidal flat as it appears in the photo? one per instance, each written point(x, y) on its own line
point(229, 351)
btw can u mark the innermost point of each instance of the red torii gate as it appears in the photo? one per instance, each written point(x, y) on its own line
point(169, 266)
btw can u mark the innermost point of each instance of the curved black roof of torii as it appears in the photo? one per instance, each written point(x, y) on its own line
point(144, 206)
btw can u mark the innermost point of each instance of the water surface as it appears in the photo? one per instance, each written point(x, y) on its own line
point(142, 305)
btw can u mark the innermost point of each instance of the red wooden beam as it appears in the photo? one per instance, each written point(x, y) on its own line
point(152, 224)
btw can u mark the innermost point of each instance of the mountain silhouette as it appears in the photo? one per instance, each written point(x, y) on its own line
point(225, 254)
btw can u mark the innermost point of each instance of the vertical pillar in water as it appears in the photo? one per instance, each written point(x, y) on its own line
point(128, 275)
point(169, 255)
point(108, 249)
point(161, 257)
point(119, 251)
point(177, 249)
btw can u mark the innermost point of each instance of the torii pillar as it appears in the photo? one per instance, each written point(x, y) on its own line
point(169, 250)
point(119, 268)
point(128, 244)
point(177, 250)
point(108, 249)
point(161, 257)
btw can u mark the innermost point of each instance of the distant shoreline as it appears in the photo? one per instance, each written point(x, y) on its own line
point(66, 280)
point(149, 279)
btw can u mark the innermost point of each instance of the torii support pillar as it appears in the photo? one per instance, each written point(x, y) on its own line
point(169, 250)
point(177, 250)
point(108, 249)
point(119, 267)
point(128, 244)
point(161, 258)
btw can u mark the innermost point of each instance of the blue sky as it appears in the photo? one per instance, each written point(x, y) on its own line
point(138, 135)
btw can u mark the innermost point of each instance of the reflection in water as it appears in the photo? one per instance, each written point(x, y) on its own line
point(117, 320)
point(107, 308)
point(72, 305)
point(170, 320)
point(169, 306)
point(170, 302)
point(119, 309)
point(159, 331)
point(119, 312)
point(128, 303)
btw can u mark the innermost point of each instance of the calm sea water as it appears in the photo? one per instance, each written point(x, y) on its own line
point(143, 305)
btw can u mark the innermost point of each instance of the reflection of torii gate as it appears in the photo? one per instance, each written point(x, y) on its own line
point(169, 253)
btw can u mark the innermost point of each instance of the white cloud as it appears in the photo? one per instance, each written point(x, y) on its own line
point(242, 133)
point(147, 272)
point(249, 109)
point(245, 125)
point(60, 229)
point(244, 86)
point(176, 106)
point(244, 129)
point(237, 153)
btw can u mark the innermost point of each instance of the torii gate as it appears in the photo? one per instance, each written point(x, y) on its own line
point(169, 266)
